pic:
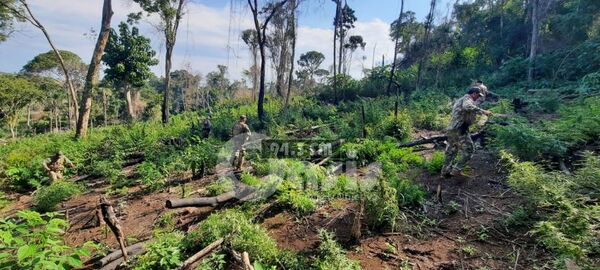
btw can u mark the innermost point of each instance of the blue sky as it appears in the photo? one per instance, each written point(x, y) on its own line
point(208, 35)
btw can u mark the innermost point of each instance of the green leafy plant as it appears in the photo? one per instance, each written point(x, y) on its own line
point(150, 176)
point(35, 241)
point(435, 164)
point(46, 198)
point(331, 256)
point(165, 252)
point(298, 200)
point(381, 206)
point(220, 186)
point(239, 232)
point(216, 261)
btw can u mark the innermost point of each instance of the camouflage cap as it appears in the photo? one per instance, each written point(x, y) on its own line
point(475, 89)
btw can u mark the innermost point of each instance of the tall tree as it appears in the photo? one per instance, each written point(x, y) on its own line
point(250, 38)
point(261, 31)
point(170, 12)
point(128, 56)
point(91, 79)
point(354, 42)
point(280, 42)
point(293, 26)
point(394, 62)
point(7, 18)
point(336, 26)
point(15, 94)
point(17, 9)
point(310, 63)
point(47, 64)
point(428, 27)
point(346, 22)
point(539, 10)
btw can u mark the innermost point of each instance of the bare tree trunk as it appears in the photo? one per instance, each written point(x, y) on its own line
point(170, 38)
point(29, 116)
point(262, 37)
point(428, 27)
point(130, 106)
point(34, 21)
point(91, 79)
point(294, 25)
point(105, 107)
point(335, 31)
point(341, 40)
point(396, 48)
point(535, 32)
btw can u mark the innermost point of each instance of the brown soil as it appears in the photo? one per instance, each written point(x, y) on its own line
point(452, 239)
point(467, 233)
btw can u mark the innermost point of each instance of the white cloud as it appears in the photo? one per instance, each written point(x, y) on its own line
point(204, 36)
point(374, 32)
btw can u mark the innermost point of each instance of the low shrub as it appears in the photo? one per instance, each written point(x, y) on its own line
point(300, 201)
point(397, 127)
point(381, 206)
point(240, 233)
point(566, 222)
point(331, 256)
point(46, 198)
point(165, 252)
point(150, 176)
point(35, 241)
point(435, 164)
point(527, 142)
point(222, 185)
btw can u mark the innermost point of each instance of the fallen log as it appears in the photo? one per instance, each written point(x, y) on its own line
point(117, 254)
point(435, 139)
point(202, 201)
point(198, 256)
point(306, 129)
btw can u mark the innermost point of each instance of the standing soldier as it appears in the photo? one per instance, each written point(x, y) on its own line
point(241, 133)
point(55, 166)
point(464, 114)
point(207, 127)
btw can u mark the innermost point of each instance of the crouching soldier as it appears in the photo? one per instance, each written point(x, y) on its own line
point(241, 133)
point(55, 166)
point(464, 114)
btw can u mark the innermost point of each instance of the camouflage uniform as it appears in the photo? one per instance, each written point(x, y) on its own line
point(241, 133)
point(464, 114)
point(55, 166)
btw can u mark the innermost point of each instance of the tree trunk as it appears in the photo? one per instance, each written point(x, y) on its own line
point(105, 107)
point(335, 31)
point(166, 95)
point(293, 56)
point(396, 48)
point(29, 116)
point(130, 108)
point(341, 40)
point(422, 62)
point(535, 31)
point(91, 79)
point(170, 38)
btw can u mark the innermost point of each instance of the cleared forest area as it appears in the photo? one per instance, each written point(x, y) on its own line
point(108, 166)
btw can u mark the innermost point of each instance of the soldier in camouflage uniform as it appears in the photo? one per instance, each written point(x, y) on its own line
point(464, 114)
point(241, 133)
point(55, 166)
